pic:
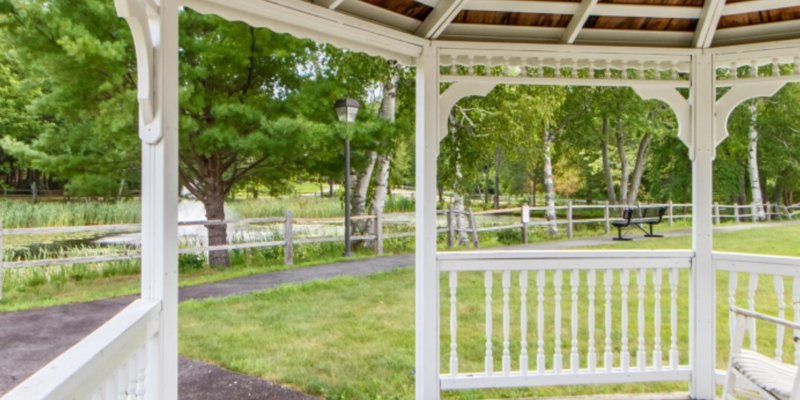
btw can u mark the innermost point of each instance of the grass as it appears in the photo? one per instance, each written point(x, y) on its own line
point(352, 338)
point(23, 214)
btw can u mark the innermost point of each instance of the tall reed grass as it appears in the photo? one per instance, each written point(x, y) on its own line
point(23, 214)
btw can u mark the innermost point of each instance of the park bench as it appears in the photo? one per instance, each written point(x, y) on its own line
point(627, 221)
point(768, 378)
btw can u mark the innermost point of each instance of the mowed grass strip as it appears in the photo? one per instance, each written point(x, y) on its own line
point(352, 338)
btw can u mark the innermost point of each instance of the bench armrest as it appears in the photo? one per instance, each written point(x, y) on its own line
point(765, 317)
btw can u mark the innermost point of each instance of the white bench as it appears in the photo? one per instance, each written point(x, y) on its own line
point(769, 378)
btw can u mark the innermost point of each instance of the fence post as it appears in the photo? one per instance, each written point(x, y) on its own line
point(607, 217)
point(526, 218)
point(670, 213)
point(769, 212)
point(288, 249)
point(450, 228)
point(716, 212)
point(569, 218)
point(473, 228)
point(379, 233)
point(736, 212)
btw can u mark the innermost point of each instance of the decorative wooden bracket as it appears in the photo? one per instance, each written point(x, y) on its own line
point(738, 94)
point(678, 104)
point(139, 14)
point(453, 94)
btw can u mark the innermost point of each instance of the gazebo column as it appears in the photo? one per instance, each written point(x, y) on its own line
point(155, 33)
point(427, 275)
point(703, 292)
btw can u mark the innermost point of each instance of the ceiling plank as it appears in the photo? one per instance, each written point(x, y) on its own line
point(707, 26)
point(577, 21)
point(441, 16)
point(603, 9)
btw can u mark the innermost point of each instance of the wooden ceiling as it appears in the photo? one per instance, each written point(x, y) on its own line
point(671, 23)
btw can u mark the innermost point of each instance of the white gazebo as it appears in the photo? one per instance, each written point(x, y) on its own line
point(676, 51)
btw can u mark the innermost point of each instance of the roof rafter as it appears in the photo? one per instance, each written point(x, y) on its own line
point(604, 9)
point(441, 16)
point(707, 26)
point(758, 5)
point(329, 4)
point(577, 21)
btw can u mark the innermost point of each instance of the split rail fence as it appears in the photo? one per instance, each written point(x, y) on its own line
point(376, 233)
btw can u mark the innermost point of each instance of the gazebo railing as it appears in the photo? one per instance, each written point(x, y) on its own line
point(769, 284)
point(115, 361)
point(549, 318)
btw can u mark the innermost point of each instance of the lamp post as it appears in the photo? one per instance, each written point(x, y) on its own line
point(346, 111)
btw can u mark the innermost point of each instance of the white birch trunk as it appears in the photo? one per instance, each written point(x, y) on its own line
point(387, 112)
point(752, 163)
point(638, 170)
point(549, 183)
point(460, 219)
point(623, 165)
point(612, 192)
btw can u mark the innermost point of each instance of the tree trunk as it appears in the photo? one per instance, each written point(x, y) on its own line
point(217, 234)
point(623, 162)
point(387, 112)
point(638, 170)
point(752, 163)
point(460, 219)
point(330, 187)
point(497, 155)
point(612, 192)
point(549, 183)
point(359, 205)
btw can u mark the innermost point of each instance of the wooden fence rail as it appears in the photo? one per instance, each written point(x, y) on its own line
point(453, 229)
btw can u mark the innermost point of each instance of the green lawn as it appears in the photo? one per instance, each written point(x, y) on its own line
point(352, 338)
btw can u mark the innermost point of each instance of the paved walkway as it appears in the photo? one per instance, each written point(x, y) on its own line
point(30, 339)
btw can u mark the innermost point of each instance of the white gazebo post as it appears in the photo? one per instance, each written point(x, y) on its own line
point(155, 33)
point(703, 293)
point(427, 272)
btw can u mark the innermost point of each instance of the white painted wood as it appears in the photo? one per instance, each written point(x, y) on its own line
point(452, 95)
point(566, 81)
point(703, 279)
point(84, 368)
point(752, 287)
point(707, 25)
point(657, 353)
point(477, 381)
point(382, 16)
point(453, 323)
point(558, 282)
point(733, 280)
point(506, 360)
point(625, 357)
point(779, 330)
point(678, 104)
point(760, 33)
point(565, 8)
point(674, 355)
point(329, 4)
point(608, 355)
point(738, 94)
point(796, 306)
point(574, 281)
point(523, 322)
point(2, 260)
point(540, 356)
point(488, 356)
point(757, 5)
point(641, 352)
point(577, 21)
point(591, 356)
point(441, 16)
point(426, 271)
point(548, 35)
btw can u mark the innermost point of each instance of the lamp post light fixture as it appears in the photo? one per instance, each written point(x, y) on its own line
point(346, 111)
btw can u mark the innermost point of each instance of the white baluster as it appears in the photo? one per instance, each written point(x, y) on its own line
point(780, 329)
point(608, 355)
point(657, 279)
point(121, 383)
point(557, 358)
point(523, 322)
point(733, 282)
point(141, 372)
point(574, 359)
point(674, 356)
point(796, 305)
point(132, 372)
point(751, 303)
point(797, 65)
point(734, 73)
point(489, 359)
point(540, 358)
point(453, 324)
point(591, 357)
point(641, 355)
point(625, 356)
point(776, 67)
point(754, 69)
point(506, 323)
